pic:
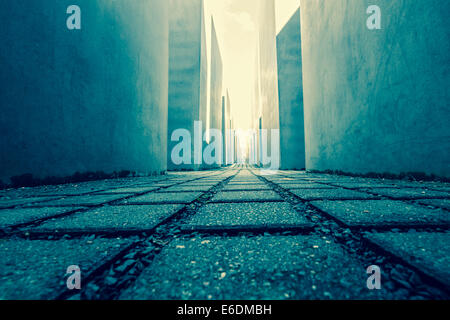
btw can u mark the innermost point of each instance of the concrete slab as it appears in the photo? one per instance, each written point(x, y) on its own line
point(330, 194)
point(240, 196)
point(290, 92)
point(290, 182)
point(243, 187)
point(382, 213)
point(298, 267)
point(129, 190)
point(85, 201)
point(248, 215)
point(187, 74)
point(255, 180)
point(408, 193)
point(93, 130)
point(413, 136)
point(429, 252)
point(184, 188)
point(111, 219)
point(164, 197)
point(36, 269)
point(306, 186)
point(438, 203)
point(360, 185)
point(200, 183)
point(245, 183)
point(11, 217)
point(7, 203)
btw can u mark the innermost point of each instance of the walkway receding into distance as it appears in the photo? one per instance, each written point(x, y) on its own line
point(232, 233)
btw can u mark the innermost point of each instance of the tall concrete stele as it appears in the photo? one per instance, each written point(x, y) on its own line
point(290, 91)
point(187, 74)
point(216, 83)
point(93, 99)
point(228, 131)
point(376, 100)
point(266, 77)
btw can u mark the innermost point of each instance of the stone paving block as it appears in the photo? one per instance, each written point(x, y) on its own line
point(200, 183)
point(428, 252)
point(241, 268)
point(306, 186)
point(290, 182)
point(164, 197)
point(130, 190)
point(7, 203)
point(233, 183)
point(443, 188)
point(408, 193)
point(360, 185)
point(125, 218)
point(382, 213)
point(184, 188)
point(62, 189)
point(207, 182)
point(36, 269)
point(249, 181)
point(243, 187)
point(85, 201)
point(249, 215)
point(330, 194)
point(241, 196)
point(156, 185)
point(11, 217)
point(438, 203)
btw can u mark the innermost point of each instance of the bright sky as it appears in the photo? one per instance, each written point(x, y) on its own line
point(235, 21)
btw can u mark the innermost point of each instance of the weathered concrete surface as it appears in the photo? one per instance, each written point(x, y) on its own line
point(112, 218)
point(269, 244)
point(420, 249)
point(253, 268)
point(376, 100)
point(187, 73)
point(256, 110)
point(165, 197)
point(83, 100)
point(12, 217)
point(268, 83)
point(256, 215)
point(228, 133)
point(387, 212)
point(36, 269)
point(224, 130)
point(245, 196)
point(290, 92)
point(216, 81)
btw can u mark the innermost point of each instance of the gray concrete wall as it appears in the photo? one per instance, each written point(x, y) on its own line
point(224, 128)
point(203, 73)
point(377, 100)
point(83, 100)
point(228, 145)
point(290, 92)
point(268, 68)
point(256, 106)
point(187, 72)
point(216, 82)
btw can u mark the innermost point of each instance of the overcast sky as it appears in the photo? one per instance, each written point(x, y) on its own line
point(235, 22)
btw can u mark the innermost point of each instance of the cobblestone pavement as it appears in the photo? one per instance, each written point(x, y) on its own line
point(232, 233)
